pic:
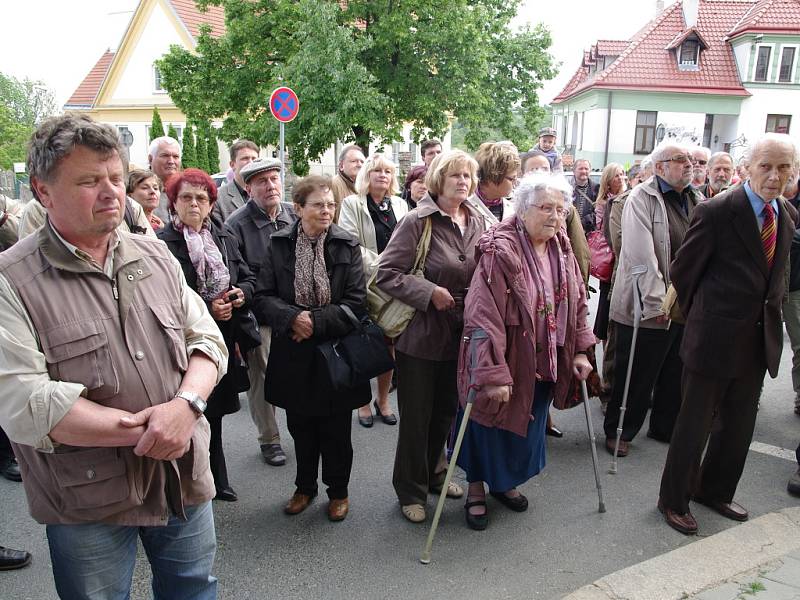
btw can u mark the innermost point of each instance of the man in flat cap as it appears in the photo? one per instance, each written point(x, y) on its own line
point(252, 225)
point(108, 357)
point(547, 147)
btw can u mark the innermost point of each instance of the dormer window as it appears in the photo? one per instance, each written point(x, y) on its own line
point(689, 55)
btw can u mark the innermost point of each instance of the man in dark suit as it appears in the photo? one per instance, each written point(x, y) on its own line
point(729, 276)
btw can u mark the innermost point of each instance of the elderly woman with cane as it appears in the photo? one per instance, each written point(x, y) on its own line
point(524, 342)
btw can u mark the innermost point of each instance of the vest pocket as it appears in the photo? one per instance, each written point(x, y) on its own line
point(79, 353)
point(93, 479)
point(170, 317)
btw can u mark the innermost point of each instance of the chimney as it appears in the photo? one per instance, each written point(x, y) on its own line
point(690, 8)
point(659, 7)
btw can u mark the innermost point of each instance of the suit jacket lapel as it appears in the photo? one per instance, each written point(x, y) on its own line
point(746, 226)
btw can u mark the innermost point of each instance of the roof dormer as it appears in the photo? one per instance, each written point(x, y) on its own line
point(687, 47)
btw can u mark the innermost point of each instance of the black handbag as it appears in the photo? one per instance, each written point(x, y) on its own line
point(246, 332)
point(358, 356)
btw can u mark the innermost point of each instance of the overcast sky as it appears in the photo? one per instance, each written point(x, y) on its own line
point(58, 41)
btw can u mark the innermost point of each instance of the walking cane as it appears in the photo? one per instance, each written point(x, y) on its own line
point(426, 553)
point(425, 559)
point(636, 272)
point(602, 506)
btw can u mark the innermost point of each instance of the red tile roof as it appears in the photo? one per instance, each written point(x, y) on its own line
point(191, 16)
point(646, 64)
point(770, 16)
point(87, 91)
point(611, 47)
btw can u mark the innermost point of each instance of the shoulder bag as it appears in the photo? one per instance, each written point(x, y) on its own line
point(392, 315)
point(358, 356)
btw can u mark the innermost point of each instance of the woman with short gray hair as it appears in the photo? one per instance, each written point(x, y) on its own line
point(525, 328)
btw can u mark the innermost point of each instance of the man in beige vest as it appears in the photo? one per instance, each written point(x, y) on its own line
point(107, 359)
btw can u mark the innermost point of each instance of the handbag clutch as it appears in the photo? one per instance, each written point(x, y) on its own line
point(358, 356)
point(391, 314)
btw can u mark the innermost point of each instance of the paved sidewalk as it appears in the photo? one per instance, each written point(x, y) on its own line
point(758, 560)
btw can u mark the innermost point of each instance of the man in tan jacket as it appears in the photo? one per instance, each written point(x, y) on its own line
point(107, 359)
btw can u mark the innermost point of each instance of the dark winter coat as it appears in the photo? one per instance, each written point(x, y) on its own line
point(296, 379)
point(224, 400)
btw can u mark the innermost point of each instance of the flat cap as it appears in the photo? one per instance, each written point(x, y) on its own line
point(257, 166)
point(547, 131)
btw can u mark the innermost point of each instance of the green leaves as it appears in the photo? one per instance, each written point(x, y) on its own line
point(156, 126)
point(23, 105)
point(364, 71)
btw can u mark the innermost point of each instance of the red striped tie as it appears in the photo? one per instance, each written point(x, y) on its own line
point(769, 234)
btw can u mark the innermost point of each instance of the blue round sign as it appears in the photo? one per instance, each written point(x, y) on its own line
point(284, 104)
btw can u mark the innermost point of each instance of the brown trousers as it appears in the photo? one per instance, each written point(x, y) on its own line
point(722, 411)
point(427, 397)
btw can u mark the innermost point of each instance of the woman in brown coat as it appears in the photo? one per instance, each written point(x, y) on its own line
point(427, 351)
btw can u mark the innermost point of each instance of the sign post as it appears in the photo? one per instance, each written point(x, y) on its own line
point(284, 106)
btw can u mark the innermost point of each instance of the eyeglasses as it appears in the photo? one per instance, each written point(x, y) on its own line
point(512, 180)
point(318, 206)
point(551, 208)
point(680, 158)
point(188, 198)
point(701, 162)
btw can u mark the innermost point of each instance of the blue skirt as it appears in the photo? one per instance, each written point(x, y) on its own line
point(501, 458)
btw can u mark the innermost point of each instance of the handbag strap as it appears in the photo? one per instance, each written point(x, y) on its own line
point(423, 246)
point(351, 315)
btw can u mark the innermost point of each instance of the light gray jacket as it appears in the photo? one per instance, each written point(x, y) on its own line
point(645, 231)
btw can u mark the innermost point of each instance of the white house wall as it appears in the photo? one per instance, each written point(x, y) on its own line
point(766, 101)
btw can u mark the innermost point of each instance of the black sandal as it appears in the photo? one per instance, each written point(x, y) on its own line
point(515, 503)
point(477, 522)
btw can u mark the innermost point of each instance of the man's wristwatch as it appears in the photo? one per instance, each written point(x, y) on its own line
point(197, 404)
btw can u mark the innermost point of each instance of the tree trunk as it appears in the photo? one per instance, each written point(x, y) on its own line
point(362, 138)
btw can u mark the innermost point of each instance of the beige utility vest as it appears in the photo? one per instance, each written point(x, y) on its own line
point(122, 339)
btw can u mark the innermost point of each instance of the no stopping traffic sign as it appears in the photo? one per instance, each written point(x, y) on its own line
point(284, 104)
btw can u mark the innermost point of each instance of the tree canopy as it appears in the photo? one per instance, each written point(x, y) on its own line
point(363, 71)
point(23, 105)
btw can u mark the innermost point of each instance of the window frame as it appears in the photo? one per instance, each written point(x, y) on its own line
point(158, 87)
point(777, 118)
point(768, 75)
point(792, 66)
point(645, 128)
point(696, 60)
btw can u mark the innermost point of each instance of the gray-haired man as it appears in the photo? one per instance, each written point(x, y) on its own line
point(107, 359)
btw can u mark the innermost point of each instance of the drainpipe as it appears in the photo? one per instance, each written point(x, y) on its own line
point(608, 126)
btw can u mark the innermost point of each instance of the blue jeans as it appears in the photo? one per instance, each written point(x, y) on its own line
point(95, 561)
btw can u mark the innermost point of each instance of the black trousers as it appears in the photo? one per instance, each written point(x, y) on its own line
point(6, 451)
point(327, 437)
point(722, 411)
point(656, 375)
point(216, 456)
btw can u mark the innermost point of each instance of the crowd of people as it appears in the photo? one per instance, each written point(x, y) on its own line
point(116, 392)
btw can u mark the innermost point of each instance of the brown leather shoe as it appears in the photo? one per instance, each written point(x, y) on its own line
point(686, 523)
point(297, 503)
point(623, 447)
point(337, 509)
point(729, 510)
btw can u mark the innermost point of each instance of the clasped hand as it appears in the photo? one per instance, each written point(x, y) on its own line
point(168, 429)
point(302, 326)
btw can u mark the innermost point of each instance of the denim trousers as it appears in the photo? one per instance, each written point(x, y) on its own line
point(94, 561)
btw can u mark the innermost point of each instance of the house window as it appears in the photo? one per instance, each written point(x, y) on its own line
point(709, 126)
point(157, 87)
point(689, 53)
point(778, 123)
point(787, 64)
point(645, 138)
point(762, 63)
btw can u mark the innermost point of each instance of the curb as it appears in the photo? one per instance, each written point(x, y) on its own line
point(703, 564)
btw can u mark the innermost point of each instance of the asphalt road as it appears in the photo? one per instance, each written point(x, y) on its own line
point(560, 544)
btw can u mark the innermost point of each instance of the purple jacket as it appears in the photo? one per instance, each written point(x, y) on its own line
point(498, 343)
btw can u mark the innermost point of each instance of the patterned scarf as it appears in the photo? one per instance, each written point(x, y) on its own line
point(550, 319)
point(311, 284)
point(213, 277)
